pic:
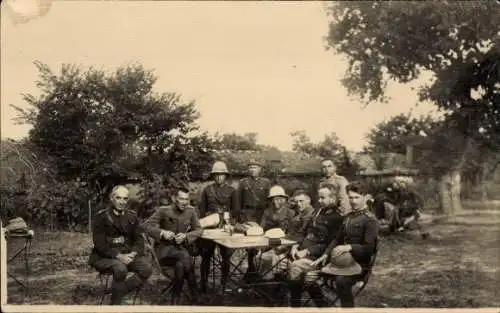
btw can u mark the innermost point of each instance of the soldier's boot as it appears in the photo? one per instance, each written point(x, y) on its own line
point(193, 288)
point(133, 282)
point(317, 295)
point(118, 292)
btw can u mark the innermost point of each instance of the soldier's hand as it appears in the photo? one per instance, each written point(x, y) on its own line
point(338, 250)
point(301, 254)
point(125, 258)
point(320, 261)
point(180, 237)
point(167, 234)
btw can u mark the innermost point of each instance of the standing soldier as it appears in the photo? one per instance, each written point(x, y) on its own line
point(175, 227)
point(119, 246)
point(339, 182)
point(218, 197)
point(253, 191)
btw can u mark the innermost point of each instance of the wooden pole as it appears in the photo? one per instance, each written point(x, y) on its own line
point(90, 216)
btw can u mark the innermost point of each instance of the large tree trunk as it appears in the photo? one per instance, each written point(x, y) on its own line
point(450, 188)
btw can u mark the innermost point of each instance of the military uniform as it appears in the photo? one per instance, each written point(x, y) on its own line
point(299, 223)
point(116, 233)
point(253, 198)
point(360, 230)
point(340, 183)
point(169, 253)
point(322, 227)
point(216, 199)
point(272, 218)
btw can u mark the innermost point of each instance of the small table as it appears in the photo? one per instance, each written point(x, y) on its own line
point(238, 242)
point(24, 251)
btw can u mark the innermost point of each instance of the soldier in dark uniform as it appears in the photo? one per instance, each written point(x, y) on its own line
point(252, 193)
point(320, 231)
point(119, 246)
point(175, 227)
point(357, 237)
point(218, 197)
point(301, 219)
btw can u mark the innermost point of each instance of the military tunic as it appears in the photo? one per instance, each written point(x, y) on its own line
point(299, 223)
point(271, 218)
point(218, 199)
point(253, 194)
point(175, 220)
point(320, 231)
point(115, 233)
point(360, 230)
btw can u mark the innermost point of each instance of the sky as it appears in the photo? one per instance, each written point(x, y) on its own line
point(250, 66)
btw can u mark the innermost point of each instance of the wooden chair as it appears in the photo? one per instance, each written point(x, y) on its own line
point(165, 271)
point(327, 282)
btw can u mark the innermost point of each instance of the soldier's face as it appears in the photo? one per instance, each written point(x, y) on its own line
point(182, 200)
point(302, 202)
point(254, 170)
point(325, 197)
point(120, 199)
point(279, 202)
point(328, 168)
point(220, 178)
point(357, 200)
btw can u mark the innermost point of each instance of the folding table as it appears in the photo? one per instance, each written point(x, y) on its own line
point(242, 243)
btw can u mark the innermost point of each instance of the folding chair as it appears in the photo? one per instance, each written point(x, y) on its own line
point(105, 279)
point(327, 282)
point(166, 271)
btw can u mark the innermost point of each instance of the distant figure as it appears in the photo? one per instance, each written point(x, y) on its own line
point(119, 246)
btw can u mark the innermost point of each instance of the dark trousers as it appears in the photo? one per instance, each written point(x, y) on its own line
point(344, 289)
point(121, 286)
point(298, 287)
point(207, 253)
point(181, 260)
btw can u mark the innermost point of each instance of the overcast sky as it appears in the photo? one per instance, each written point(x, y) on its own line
point(250, 67)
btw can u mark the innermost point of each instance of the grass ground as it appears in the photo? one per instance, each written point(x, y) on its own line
point(457, 266)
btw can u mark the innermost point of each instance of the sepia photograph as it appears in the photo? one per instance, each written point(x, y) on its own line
point(174, 156)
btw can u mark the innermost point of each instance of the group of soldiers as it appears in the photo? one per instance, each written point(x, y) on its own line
point(338, 235)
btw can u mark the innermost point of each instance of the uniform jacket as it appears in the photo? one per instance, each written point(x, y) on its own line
point(114, 233)
point(173, 219)
point(321, 229)
point(360, 230)
point(299, 223)
point(340, 182)
point(217, 199)
point(252, 193)
point(277, 219)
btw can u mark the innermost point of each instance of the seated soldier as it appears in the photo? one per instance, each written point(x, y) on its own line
point(174, 228)
point(119, 246)
point(278, 215)
point(299, 222)
point(351, 251)
point(320, 230)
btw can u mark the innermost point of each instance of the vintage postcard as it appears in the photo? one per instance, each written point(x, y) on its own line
point(161, 156)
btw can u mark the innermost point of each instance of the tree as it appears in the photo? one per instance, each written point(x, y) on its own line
point(100, 127)
point(456, 42)
point(233, 141)
point(329, 147)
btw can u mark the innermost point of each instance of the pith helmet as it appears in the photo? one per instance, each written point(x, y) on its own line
point(277, 191)
point(343, 264)
point(219, 167)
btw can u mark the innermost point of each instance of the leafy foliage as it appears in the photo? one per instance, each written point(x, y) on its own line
point(458, 43)
point(233, 141)
point(102, 128)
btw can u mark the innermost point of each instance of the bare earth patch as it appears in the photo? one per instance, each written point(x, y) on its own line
point(457, 266)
